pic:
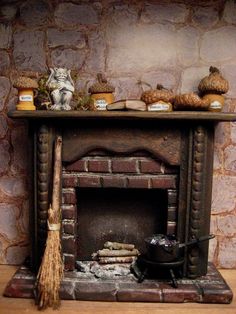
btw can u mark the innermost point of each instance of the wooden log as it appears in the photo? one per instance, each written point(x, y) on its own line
point(107, 252)
point(118, 246)
point(111, 260)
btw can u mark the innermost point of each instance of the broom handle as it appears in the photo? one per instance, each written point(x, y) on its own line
point(57, 175)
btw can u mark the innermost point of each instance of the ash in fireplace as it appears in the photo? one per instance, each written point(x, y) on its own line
point(107, 271)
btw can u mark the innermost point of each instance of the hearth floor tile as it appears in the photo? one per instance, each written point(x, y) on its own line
point(211, 288)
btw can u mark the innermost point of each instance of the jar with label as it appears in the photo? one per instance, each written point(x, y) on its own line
point(101, 92)
point(212, 87)
point(160, 106)
point(216, 102)
point(159, 99)
point(26, 92)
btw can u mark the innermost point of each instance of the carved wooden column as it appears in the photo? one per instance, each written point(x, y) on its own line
point(200, 198)
point(42, 182)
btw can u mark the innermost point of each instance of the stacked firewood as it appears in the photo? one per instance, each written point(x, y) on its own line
point(116, 253)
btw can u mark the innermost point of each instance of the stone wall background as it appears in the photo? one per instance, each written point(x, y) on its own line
point(170, 42)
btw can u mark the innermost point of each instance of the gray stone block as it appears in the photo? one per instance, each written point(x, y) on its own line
point(4, 90)
point(68, 58)
point(172, 12)
point(8, 214)
point(223, 194)
point(191, 77)
point(65, 38)
point(20, 149)
point(4, 61)
point(205, 17)
point(136, 48)
point(5, 36)
point(230, 160)
point(3, 126)
point(229, 72)
point(5, 156)
point(187, 42)
point(219, 44)
point(69, 14)
point(34, 13)
point(29, 52)
point(229, 14)
point(8, 12)
point(95, 62)
point(13, 187)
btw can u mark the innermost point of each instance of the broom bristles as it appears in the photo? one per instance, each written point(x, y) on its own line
point(51, 269)
point(50, 272)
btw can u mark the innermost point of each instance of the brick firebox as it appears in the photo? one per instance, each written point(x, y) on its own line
point(139, 172)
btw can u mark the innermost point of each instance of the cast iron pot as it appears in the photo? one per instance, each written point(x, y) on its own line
point(167, 248)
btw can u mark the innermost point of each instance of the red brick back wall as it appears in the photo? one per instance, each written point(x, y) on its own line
point(112, 172)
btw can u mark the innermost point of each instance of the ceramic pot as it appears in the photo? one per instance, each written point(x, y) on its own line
point(101, 100)
point(216, 101)
point(26, 99)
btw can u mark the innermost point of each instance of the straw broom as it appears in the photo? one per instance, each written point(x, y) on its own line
point(51, 269)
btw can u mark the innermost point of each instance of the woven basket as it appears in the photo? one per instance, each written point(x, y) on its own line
point(190, 101)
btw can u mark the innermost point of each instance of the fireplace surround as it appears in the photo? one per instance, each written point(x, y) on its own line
point(159, 164)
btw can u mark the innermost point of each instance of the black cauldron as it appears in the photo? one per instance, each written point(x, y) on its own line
point(166, 248)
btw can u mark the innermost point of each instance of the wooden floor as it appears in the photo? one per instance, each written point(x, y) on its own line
point(20, 306)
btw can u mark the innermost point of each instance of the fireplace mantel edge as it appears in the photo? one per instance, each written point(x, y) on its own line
point(123, 115)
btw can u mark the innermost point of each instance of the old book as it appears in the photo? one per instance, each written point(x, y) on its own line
point(128, 104)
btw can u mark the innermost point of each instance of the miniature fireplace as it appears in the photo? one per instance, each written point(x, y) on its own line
point(126, 176)
point(179, 158)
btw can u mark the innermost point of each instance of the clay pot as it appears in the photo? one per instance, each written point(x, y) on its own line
point(216, 102)
point(101, 100)
point(214, 83)
point(102, 92)
point(26, 93)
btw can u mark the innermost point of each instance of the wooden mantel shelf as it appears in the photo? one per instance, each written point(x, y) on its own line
point(123, 115)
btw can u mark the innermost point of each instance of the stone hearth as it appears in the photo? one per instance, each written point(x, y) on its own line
point(207, 289)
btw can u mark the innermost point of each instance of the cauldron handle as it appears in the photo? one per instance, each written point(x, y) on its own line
point(197, 240)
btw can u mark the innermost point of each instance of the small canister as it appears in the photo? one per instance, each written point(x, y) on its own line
point(102, 92)
point(212, 87)
point(26, 93)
